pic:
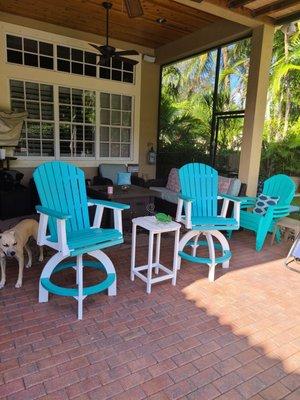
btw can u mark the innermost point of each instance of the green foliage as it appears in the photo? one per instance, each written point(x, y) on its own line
point(281, 156)
point(164, 218)
point(187, 98)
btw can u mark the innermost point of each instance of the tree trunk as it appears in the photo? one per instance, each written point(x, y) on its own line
point(226, 78)
point(286, 82)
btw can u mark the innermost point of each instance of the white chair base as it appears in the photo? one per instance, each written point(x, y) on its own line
point(191, 239)
point(55, 264)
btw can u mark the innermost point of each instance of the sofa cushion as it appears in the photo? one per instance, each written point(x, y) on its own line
point(223, 184)
point(110, 171)
point(235, 187)
point(173, 183)
point(165, 194)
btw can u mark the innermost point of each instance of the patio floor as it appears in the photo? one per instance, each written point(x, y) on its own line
point(236, 338)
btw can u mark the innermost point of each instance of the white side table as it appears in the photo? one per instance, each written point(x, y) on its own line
point(289, 224)
point(155, 228)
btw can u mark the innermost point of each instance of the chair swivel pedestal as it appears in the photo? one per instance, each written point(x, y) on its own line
point(191, 239)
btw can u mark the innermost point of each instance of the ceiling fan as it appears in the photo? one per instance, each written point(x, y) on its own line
point(106, 51)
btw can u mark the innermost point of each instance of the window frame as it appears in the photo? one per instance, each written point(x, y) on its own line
point(55, 59)
point(83, 124)
point(131, 126)
point(39, 121)
point(38, 54)
point(56, 122)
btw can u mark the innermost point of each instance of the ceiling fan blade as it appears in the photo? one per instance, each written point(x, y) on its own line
point(134, 8)
point(127, 60)
point(127, 53)
point(95, 46)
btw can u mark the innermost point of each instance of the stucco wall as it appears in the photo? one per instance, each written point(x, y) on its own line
point(150, 76)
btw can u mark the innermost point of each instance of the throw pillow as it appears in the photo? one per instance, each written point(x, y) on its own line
point(124, 178)
point(263, 202)
point(223, 184)
point(173, 181)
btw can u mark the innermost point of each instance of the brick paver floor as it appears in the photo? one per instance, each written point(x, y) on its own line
point(236, 338)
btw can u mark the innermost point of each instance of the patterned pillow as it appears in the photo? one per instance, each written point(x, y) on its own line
point(263, 202)
point(223, 184)
point(173, 181)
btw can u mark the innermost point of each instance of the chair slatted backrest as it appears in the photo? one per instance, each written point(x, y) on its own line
point(61, 187)
point(281, 186)
point(200, 181)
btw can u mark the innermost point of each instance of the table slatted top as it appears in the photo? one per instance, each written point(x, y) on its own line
point(152, 225)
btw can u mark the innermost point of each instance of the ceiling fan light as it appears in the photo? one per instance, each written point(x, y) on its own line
point(161, 20)
point(134, 8)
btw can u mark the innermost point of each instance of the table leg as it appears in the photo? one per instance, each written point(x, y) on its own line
point(133, 250)
point(157, 252)
point(286, 234)
point(175, 257)
point(150, 258)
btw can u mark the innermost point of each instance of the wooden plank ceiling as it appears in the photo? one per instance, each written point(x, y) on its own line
point(89, 16)
point(279, 11)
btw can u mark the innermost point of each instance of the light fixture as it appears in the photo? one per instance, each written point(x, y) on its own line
point(161, 20)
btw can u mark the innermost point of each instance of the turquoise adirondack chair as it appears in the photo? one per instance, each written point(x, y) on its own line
point(198, 199)
point(280, 186)
point(64, 226)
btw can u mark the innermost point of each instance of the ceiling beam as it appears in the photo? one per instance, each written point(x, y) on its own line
point(220, 8)
point(288, 18)
point(279, 5)
point(206, 38)
point(239, 3)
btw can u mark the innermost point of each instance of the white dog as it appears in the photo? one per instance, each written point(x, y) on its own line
point(12, 244)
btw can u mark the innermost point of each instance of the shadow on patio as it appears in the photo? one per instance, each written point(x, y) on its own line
point(237, 338)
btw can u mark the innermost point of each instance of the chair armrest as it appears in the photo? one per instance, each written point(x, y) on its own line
point(247, 199)
point(108, 204)
point(186, 198)
point(52, 213)
point(231, 198)
point(278, 211)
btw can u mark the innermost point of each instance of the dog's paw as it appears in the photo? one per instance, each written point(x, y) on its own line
point(28, 266)
point(41, 258)
point(18, 285)
point(2, 284)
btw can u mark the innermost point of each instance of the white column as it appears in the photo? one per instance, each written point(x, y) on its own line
point(258, 82)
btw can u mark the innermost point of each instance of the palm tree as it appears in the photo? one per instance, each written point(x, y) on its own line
point(285, 76)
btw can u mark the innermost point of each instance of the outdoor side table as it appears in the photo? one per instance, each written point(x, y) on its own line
point(155, 228)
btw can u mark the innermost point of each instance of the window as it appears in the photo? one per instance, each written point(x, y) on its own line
point(77, 125)
point(116, 70)
point(115, 125)
point(76, 61)
point(71, 122)
point(40, 54)
point(29, 52)
point(85, 63)
point(37, 138)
